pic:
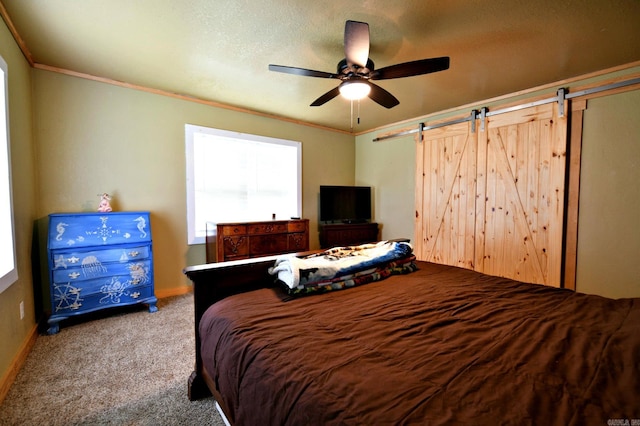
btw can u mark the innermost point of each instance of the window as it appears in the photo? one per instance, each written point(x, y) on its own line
point(236, 177)
point(8, 271)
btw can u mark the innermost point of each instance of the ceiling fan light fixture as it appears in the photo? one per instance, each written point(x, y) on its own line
point(354, 90)
point(357, 72)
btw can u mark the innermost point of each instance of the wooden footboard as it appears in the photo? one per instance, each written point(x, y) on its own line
point(213, 282)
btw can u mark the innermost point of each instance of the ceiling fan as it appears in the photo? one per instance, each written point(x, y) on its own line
point(356, 70)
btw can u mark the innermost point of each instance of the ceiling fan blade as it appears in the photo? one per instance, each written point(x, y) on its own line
point(409, 69)
point(381, 96)
point(326, 97)
point(301, 71)
point(356, 43)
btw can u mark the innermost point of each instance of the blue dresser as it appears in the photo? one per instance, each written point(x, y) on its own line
point(97, 261)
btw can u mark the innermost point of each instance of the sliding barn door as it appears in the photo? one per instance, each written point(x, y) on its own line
point(521, 171)
point(445, 196)
point(493, 200)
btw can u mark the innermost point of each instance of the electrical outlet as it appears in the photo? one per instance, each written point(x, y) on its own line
point(22, 310)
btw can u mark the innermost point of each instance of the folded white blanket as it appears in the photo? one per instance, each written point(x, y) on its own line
point(294, 271)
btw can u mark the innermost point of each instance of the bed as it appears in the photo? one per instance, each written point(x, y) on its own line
point(431, 344)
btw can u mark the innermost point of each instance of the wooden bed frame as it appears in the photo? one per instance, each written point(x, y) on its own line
point(213, 282)
point(589, 389)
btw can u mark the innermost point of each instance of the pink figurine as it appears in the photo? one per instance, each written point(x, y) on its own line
point(104, 205)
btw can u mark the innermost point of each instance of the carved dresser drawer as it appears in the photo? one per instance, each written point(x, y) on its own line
point(297, 226)
point(272, 227)
point(234, 241)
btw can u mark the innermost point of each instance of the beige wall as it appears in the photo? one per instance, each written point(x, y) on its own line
point(609, 225)
point(389, 168)
point(14, 332)
point(609, 228)
point(93, 137)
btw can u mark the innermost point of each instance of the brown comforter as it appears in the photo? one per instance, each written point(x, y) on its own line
point(439, 346)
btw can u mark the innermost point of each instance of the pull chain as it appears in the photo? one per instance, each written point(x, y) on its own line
point(352, 115)
point(358, 114)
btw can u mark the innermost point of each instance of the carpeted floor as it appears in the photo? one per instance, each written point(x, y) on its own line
point(127, 368)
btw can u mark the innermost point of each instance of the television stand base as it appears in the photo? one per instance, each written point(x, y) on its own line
point(348, 234)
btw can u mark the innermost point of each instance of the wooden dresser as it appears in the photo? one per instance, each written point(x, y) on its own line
point(98, 261)
point(243, 240)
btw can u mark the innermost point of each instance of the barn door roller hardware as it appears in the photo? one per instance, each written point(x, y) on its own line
point(422, 127)
point(561, 96)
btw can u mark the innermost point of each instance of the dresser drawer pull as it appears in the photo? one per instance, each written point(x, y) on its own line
point(134, 253)
point(74, 275)
point(139, 273)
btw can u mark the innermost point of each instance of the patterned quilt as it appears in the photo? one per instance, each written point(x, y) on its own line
point(337, 262)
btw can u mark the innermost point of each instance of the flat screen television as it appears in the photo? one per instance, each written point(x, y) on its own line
point(346, 204)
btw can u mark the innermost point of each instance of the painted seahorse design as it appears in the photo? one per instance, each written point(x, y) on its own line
point(141, 225)
point(60, 227)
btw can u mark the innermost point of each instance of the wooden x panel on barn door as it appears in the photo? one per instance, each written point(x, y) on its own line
point(445, 196)
point(519, 232)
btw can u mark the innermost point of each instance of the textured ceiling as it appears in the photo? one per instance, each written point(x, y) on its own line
point(219, 50)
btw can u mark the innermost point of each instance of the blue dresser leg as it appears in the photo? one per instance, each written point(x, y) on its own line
point(54, 327)
point(153, 308)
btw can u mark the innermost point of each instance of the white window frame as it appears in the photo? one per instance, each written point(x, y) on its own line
point(8, 266)
point(196, 232)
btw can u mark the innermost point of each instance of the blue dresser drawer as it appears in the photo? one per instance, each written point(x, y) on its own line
point(71, 300)
point(138, 271)
point(68, 230)
point(98, 260)
point(70, 258)
point(77, 265)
